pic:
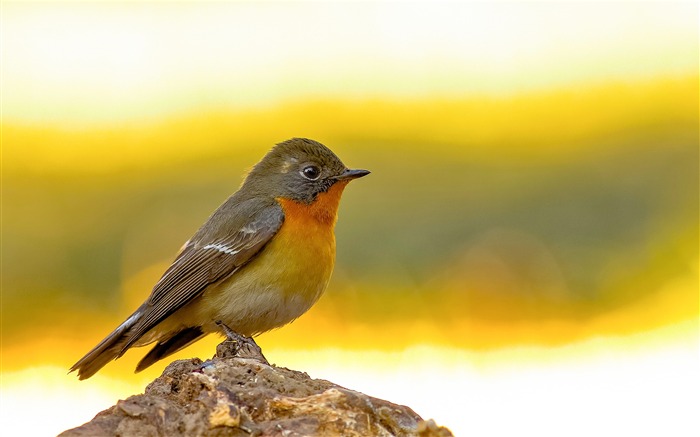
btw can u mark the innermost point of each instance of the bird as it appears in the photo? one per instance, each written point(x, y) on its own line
point(261, 260)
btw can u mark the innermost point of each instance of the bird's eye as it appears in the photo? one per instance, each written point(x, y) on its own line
point(311, 172)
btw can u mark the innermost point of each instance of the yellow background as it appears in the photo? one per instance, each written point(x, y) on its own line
point(527, 242)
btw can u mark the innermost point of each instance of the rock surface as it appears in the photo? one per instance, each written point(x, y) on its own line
point(235, 395)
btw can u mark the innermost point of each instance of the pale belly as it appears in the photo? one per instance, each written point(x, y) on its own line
point(277, 286)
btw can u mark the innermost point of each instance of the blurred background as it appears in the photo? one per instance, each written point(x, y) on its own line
point(524, 254)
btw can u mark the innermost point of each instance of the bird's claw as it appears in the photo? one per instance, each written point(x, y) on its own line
point(238, 346)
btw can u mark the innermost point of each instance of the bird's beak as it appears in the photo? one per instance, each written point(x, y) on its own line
point(352, 174)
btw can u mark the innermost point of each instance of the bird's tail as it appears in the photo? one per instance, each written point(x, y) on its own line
point(111, 348)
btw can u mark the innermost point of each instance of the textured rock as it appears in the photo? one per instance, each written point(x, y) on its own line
point(232, 395)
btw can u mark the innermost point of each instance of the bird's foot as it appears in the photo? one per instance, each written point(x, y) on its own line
point(238, 346)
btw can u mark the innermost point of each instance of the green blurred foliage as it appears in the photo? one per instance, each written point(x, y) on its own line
point(601, 220)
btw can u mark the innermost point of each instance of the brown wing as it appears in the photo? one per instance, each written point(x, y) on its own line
point(202, 263)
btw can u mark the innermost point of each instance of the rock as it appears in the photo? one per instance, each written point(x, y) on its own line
point(237, 394)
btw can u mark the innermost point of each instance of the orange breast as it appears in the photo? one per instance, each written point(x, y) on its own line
point(307, 235)
point(305, 245)
point(323, 212)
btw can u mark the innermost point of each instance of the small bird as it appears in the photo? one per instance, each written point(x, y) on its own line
point(261, 260)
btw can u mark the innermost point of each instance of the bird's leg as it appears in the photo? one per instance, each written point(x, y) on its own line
point(239, 346)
